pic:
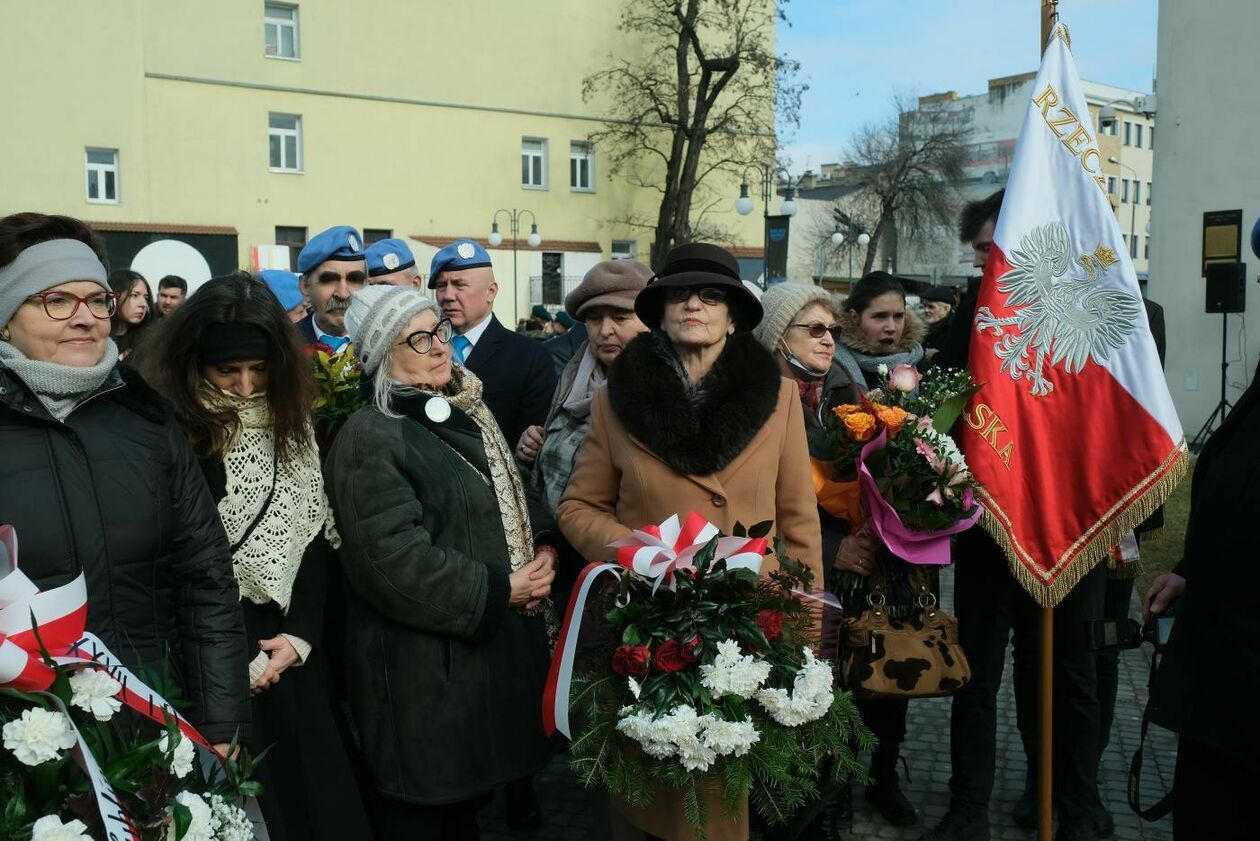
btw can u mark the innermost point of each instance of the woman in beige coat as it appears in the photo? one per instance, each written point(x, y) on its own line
point(695, 417)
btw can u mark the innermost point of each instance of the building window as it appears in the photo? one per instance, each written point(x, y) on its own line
point(582, 167)
point(624, 249)
point(1146, 249)
point(1128, 133)
point(102, 176)
point(294, 238)
point(1137, 138)
point(1133, 246)
point(1137, 192)
point(284, 131)
point(371, 235)
point(1148, 194)
point(1111, 185)
point(1124, 191)
point(1115, 126)
point(280, 28)
point(534, 163)
point(1150, 138)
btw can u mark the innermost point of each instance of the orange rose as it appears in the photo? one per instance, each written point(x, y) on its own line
point(845, 409)
point(860, 425)
point(893, 417)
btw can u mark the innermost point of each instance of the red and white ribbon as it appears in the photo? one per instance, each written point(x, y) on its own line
point(57, 618)
point(652, 553)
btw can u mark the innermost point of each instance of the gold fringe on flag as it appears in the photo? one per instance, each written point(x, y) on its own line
point(1048, 588)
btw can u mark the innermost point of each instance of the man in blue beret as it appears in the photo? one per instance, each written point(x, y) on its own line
point(516, 372)
point(332, 268)
point(391, 261)
point(286, 286)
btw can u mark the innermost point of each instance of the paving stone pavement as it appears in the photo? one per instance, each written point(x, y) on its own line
point(571, 814)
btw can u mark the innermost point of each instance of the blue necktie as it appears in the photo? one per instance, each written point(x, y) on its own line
point(462, 346)
point(335, 342)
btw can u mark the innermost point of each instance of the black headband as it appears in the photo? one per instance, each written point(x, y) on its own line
point(232, 341)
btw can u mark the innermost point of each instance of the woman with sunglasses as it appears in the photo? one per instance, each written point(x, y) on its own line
point(696, 417)
point(447, 585)
point(97, 480)
point(230, 362)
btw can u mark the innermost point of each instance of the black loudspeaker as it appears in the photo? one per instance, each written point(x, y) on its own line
point(1226, 289)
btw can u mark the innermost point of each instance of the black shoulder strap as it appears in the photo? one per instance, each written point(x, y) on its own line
point(1165, 804)
point(275, 464)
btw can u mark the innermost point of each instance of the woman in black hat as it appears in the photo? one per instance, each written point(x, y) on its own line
point(696, 417)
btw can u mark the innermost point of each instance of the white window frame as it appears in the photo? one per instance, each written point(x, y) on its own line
point(1128, 133)
point(283, 133)
point(1137, 134)
point(279, 24)
point(1137, 191)
point(533, 154)
point(100, 170)
point(1124, 191)
point(579, 151)
point(631, 253)
point(1111, 184)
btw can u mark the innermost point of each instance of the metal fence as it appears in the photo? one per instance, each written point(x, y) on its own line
point(551, 294)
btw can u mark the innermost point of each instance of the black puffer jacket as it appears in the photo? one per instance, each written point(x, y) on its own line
point(115, 492)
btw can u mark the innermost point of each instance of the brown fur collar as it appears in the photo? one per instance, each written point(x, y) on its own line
point(851, 335)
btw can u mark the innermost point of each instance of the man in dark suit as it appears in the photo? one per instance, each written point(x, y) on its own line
point(332, 268)
point(516, 372)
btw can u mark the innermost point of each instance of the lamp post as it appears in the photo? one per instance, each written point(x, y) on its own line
point(863, 240)
point(744, 206)
point(1132, 206)
point(514, 228)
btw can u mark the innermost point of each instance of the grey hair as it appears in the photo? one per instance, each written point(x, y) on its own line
point(386, 389)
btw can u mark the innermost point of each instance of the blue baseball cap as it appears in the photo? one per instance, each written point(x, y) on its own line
point(339, 243)
point(387, 256)
point(460, 254)
point(284, 285)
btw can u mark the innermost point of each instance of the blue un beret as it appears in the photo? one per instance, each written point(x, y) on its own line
point(387, 256)
point(460, 254)
point(339, 243)
point(284, 285)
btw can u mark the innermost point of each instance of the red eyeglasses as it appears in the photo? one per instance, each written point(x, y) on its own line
point(60, 305)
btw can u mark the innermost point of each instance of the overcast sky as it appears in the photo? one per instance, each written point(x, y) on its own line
point(856, 54)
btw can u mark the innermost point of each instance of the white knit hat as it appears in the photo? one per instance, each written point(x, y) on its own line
point(781, 302)
point(377, 314)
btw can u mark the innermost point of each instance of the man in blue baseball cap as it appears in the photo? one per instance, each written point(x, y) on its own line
point(332, 268)
point(285, 285)
point(391, 261)
point(516, 372)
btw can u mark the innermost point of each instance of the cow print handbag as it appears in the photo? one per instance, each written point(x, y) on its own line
point(913, 657)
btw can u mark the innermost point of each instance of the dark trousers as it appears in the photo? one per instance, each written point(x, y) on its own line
point(1119, 593)
point(991, 606)
point(396, 820)
point(1213, 795)
point(886, 717)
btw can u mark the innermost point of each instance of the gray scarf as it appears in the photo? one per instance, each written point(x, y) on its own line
point(61, 388)
point(857, 364)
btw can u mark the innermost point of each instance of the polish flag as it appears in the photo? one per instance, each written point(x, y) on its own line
point(1073, 433)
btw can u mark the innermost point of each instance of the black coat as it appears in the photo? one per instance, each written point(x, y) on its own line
point(116, 493)
point(1210, 678)
point(564, 347)
point(445, 679)
point(518, 378)
point(837, 389)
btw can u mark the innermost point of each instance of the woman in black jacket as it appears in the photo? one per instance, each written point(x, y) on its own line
point(230, 362)
point(96, 478)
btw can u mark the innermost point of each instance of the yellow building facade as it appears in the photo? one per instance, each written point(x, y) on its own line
point(199, 121)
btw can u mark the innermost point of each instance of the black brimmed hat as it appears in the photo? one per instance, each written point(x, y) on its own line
point(697, 264)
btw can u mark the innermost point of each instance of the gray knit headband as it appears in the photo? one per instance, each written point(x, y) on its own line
point(44, 266)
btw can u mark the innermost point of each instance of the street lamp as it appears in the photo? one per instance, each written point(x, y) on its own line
point(744, 206)
point(1132, 206)
point(514, 228)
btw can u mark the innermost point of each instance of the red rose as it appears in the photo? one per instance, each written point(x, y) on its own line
point(630, 660)
point(315, 348)
point(671, 657)
point(771, 623)
point(689, 649)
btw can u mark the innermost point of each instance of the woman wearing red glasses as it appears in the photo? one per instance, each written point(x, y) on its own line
point(96, 478)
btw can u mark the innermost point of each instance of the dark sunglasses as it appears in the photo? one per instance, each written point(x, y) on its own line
point(707, 294)
point(61, 306)
point(817, 329)
point(421, 341)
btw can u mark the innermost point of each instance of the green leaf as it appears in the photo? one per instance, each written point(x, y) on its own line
point(947, 415)
point(15, 810)
point(761, 529)
point(183, 819)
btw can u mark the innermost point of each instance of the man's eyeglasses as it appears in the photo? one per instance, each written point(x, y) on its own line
point(707, 294)
point(817, 330)
point(61, 306)
point(421, 341)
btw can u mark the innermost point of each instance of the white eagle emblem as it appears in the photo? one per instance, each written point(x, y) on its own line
point(1059, 316)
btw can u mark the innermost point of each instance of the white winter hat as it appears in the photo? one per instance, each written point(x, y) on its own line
point(377, 314)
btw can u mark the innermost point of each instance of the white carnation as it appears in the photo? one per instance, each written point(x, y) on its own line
point(881, 369)
point(181, 758)
point(234, 824)
point(732, 673)
point(811, 695)
point(204, 825)
point(635, 689)
point(39, 735)
point(94, 692)
point(730, 738)
point(50, 828)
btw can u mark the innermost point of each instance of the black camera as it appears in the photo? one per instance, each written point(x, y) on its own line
point(1121, 634)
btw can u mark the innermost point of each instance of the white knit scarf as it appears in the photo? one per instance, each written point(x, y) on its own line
point(267, 563)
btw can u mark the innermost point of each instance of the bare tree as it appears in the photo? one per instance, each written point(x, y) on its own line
point(908, 171)
point(701, 97)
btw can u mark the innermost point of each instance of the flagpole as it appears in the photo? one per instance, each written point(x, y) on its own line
point(1045, 707)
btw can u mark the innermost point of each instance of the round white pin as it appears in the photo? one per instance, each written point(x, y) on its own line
point(466, 250)
point(437, 409)
point(390, 261)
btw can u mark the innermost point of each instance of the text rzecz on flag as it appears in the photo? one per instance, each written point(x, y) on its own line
point(1073, 434)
